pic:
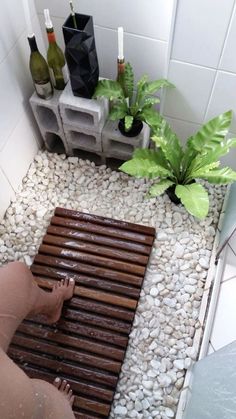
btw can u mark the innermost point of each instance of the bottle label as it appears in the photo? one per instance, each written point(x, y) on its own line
point(44, 90)
point(63, 75)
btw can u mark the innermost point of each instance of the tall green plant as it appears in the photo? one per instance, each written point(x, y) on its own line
point(130, 102)
point(180, 167)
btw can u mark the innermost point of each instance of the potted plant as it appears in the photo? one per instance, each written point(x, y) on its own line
point(178, 168)
point(131, 106)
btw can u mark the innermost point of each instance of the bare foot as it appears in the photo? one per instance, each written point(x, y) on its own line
point(62, 291)
point(64, 388)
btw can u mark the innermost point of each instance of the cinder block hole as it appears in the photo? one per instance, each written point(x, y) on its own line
point(47, 118)
point(79, 117)
point(83, 140)
point(86, 155)
point(120, 147)
point(54, 143)
point(114, 163)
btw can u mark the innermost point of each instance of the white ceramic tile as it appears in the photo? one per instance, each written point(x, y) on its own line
point(228, 59)
point(183, 129)
point(224, 330)
point(10, 101)
point(150, 18)
point(223, 97)
point(18, 152)
point(151, 61)
point(6, 193)
point(200, 31)
point(12, 24)
point(188, 101)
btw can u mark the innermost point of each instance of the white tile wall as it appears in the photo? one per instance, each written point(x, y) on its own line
point(223, 96)
point(228, 59)
point(188, 101)
point(6, 193)
point(18, 138)
point(150, 18)
point(183, 129)
point(200, 31)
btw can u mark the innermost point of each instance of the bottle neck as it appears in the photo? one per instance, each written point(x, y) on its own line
point(51, 36)
point(33, 44)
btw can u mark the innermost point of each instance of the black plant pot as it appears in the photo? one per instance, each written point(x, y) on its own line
point(134, 130)
point(81, 55)
point(171, 194)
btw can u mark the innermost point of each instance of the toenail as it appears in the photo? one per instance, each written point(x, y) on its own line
point(57, 380)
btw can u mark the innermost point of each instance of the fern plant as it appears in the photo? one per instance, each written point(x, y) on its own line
point(129, 102)
point(177, 167)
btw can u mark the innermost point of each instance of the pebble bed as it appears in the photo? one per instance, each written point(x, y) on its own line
point(161, 343)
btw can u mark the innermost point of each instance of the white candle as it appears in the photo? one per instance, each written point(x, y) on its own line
point(120, 43)
point(28, 18)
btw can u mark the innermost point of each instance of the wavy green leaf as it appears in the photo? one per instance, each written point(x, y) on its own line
point(151, 117)
point(153, 156)
point(118, 111)
point(144, 168)
point(169, 143)
point(150, 101)
point(219, 176)
point(195, 199)
point(206, 169)
point(212, 132)
point(110, 89)
point(128, 122)
point(160, 187)
point(153, 86)
point(129, 81)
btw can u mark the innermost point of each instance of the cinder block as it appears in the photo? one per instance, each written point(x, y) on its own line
point(47, 115)
point(46, 112)
point(83, 113)
point(83, 138)
point(114, 144)
point(96, 157)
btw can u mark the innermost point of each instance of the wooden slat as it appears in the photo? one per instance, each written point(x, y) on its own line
point(95, 219)
point(91, 259)
point(95, 391)
point(119, 244)
point(67, 354)
point(78, 343)
point(88, 269)
point(61, 237)
point(93, 282)
point(58, 367)
point(103, 230)
point(107, 259)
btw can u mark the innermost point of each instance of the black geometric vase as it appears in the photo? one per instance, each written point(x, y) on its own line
point(81, 55)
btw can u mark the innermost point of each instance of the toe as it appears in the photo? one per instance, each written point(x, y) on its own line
point(72, 399)
point(57, 382)
point(63, 385)
point(67, 389)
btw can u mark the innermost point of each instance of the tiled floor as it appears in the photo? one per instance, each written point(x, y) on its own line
point(224, 325)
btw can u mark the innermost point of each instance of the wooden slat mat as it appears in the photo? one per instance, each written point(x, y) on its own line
point(107, 259)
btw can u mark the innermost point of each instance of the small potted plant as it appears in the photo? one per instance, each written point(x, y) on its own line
point(177, 168)
point(131, 106)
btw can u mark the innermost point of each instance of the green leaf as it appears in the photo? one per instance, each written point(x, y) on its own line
point(110, 89)
point(212, 132)
point(195, 199)
point(160, 187)
point(169, 143)
point(139, 167)
point(150, 101)
point(153, 86)
point(219, 176)
point(118, 111)
point(129, 81)
point(153, 156)
point(211, 153)
point(128, 122)
point(151, 117)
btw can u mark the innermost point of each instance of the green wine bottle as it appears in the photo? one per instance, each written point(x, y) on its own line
point(39, 71)
point(56, 60)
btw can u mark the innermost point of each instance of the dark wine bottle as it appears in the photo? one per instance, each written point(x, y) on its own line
point(39, 71)
point(56, 60)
